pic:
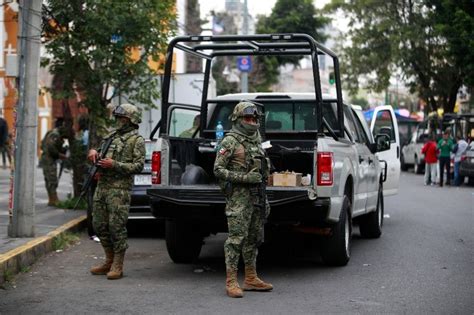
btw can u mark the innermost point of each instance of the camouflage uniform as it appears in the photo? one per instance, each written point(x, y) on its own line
point(237, 167)
point(112, 197)
point(236, 157)
point(51, 147)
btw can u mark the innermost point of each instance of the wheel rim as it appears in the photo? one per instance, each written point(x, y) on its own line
point(415, 167)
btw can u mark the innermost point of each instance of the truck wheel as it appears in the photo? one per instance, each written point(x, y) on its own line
point(403, 166)
point(416, 166)
point(371, 224)
point(336, 249)
point(183, 240)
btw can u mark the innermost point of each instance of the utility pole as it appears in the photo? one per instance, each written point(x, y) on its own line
point(244, 85)
point(22, 223)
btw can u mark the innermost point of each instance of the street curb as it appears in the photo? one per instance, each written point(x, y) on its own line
point(25, 255)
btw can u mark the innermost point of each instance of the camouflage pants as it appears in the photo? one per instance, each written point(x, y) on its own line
point(50, 172)
point(109, 217)
point(245, 225)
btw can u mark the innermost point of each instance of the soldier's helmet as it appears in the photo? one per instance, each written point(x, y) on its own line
point(244, 108)
point(130, 111)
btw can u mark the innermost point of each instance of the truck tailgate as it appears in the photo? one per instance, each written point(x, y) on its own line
point(208, 194)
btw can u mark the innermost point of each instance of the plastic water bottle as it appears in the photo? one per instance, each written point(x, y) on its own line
point(219, 134)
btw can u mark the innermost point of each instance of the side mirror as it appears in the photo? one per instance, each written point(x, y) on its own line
point(382, 142)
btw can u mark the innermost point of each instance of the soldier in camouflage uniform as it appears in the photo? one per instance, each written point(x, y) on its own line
point(52, 150)
point(125, 157)
point(237, 167)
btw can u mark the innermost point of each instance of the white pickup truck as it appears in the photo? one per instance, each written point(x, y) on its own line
point(309, 133)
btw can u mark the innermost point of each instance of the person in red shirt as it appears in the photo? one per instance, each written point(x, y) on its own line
point(431, 161)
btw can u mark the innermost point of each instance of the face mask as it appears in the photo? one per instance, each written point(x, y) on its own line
point(120, 124)
point(249, 127)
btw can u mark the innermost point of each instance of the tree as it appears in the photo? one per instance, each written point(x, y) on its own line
point(102, 49)
point(391, 36)
point(288, 16)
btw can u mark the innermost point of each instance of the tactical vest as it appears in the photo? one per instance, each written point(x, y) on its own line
point(116, 152)
point(247, 155)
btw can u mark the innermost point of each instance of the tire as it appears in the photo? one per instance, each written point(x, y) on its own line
point(370, 224)
point(336, 249)
point(417, 167)
point(403, 166)
point(183, 240)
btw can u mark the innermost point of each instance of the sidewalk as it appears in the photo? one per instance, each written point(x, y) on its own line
point(16, 253)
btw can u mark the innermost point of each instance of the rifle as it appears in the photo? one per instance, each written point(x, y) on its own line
point(261, 193)
point(93, 170)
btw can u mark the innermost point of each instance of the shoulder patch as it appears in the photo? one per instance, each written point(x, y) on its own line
point(222, 151)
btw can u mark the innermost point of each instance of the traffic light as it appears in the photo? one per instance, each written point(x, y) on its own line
point(332, 78)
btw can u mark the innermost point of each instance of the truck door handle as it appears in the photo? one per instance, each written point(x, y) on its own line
point(361, 159)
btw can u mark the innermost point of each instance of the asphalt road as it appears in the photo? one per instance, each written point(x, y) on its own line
point(422, 264)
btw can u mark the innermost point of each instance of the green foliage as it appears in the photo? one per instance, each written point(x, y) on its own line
point(25, 269)
point(361, 101)
point(288, 16)
point(64, 240)
point(90, 43)
point(69, 203)
point(7, 275)
point(407, 36)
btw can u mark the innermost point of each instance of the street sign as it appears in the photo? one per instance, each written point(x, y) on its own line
point(244, 64)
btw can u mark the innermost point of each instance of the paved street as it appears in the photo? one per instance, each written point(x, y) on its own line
point(422, 264)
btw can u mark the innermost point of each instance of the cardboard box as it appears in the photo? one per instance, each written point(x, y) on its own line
point(287, 179)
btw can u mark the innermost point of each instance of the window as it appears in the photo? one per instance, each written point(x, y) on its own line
point(350, 123)
point(364, 138)
point(182, 122)
point(288, 115)
point(384, 124)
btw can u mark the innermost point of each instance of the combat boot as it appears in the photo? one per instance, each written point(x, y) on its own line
point(105, 267)
point(53, 199)
point(253, 283)
point(116, 272)
point(232, 285)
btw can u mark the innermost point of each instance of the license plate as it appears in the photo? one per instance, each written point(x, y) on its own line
point(140, 180)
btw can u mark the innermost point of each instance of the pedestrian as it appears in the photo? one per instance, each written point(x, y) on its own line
point(52, 147)
point(458, 150)
point(445, 145)
point(431, 161)
point(237, 169)
point(4, 142)
point(124, 158)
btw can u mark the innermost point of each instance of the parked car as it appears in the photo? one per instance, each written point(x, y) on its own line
point(140, 201)
point(466, 168)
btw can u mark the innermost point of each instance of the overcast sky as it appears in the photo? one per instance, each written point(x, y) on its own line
point(255, 6)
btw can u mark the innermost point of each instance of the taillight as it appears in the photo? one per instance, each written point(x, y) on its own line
point(324, 168)
point(156, 167)
point(463, 158)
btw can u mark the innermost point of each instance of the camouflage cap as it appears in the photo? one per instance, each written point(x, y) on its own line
point(244, 108)
point(130, 111)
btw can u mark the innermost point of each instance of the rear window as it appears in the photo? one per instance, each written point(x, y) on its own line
point(287, 116)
